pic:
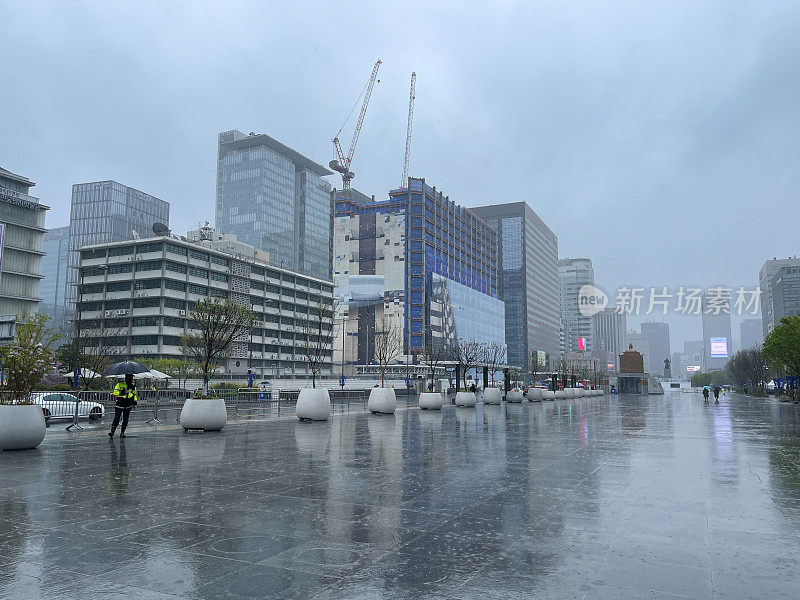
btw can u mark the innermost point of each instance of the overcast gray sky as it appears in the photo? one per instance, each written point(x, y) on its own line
point(659, 139)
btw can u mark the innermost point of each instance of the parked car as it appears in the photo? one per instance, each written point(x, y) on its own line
point(60, 405)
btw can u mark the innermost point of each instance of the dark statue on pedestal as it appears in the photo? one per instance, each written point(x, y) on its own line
point(667, 368)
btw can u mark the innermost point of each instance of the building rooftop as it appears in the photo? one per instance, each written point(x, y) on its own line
point(262, 139)
point(18, 178)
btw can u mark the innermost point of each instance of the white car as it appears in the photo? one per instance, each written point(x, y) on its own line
point(60, 405)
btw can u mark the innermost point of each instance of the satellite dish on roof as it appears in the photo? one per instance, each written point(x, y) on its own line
point(160, 229)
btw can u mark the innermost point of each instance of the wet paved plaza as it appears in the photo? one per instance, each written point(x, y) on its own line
point(610, 497)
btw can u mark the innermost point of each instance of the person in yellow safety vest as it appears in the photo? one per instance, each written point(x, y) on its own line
point(126, 399)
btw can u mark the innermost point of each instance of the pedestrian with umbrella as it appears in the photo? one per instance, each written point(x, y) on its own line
point(124, 393)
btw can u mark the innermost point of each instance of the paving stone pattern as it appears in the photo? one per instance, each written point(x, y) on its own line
point(611, 497)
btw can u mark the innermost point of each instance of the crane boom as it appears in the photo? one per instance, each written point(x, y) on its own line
point(411, 97)
point(342, 162)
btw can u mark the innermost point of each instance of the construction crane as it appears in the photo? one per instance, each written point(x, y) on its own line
point(341, 163)
point(411, 97)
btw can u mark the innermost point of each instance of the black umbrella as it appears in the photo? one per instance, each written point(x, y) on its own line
point(125, 367)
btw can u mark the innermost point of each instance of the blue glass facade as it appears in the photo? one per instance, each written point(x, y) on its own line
point(275, 199)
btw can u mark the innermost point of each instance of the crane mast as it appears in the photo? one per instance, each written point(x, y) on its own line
point(341, 163)
point(411, 97)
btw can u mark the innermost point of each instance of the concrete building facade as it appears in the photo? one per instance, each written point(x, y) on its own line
point(717, 341)
point(22, 229)
point(136, 298)
point(274, 198)
point(750, 331)
point(785, 292)
point(527, 281)
point(609, 335)
point(657, 334)
point(107, 211)
point(765, 275)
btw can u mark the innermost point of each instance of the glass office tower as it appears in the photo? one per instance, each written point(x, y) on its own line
point(574, 273)
point(528, 281)
point(276, 199)
point(107, 211)
point(53, 287)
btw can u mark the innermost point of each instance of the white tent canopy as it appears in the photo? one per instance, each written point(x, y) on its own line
point(151, 374)
point(84, 373)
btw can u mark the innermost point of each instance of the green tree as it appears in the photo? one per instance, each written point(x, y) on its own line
point(782, 348)
point(216, 325)
point(30, 358)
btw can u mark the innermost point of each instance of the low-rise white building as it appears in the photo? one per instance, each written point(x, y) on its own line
point(135, 298)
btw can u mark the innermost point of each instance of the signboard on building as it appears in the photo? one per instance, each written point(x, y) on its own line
point(581, 344)
point(692, 368)
point(719, 347)
point(2, 245)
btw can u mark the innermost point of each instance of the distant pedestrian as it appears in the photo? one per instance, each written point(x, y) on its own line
point(705, 394)
point(716, 394)
point(126, 398)
point(472, 388)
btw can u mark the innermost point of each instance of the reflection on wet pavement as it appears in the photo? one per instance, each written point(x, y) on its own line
point(612, 497)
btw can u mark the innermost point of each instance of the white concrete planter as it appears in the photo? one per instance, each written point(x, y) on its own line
point(208, 414)
point(492, 395)
point(548, 395)
point(21, 426)
point(535, 394)
point(382, 400)
point(313, 404)
point(580, 392)
point(430, 401)
point(514, 396)
point(466, 399)
point(569, 392)
point(560, 394)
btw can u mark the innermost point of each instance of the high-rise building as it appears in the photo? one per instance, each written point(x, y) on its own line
point(22, 229)
point(785, 291)
point(276, 199)
point(751, 333)
point(640, 343)
point(527, 281)
point(765, 275)
point(573, 274)
point(53, 287)
point(657, 334)
point(716, 329)
point(419, 261)
point(136, 299)
point(106, 211)
point(609, 334)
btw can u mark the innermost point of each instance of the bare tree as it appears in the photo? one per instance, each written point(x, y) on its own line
point(432, 356)
point(92, 355)
point(388, 344)
point(468, 353)
point(534, 368)
point(318, 336)
point(217, 324)
point(494, 355)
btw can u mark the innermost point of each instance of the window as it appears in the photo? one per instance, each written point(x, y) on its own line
point(198, 255)
point(255, 285)
point(174, 322)
point(118, 286)
point(146, 303)
point(198, 289)
point(120, 250)
point(145, 321)
point(144, 340)
point(99, 253)
point(93, 271)
point(117, 304)
point(272, 289)
point(151, 247)
point(175, 267)
point(257, 270)
point(92, 288)
point(173, 303)
point(219, 260)
point(195, 272)
point(90, 306)
point(148, 284)
point(215, 293)
point(120, 268)
point(115, 323)
point(287, 292)
point(117, 340)
point(219, 277)
point(256, 301)
point(171, 284)
point(288, 279)
point(273, 274)
point(148, 265)
point(171, 340)
point(175, 249)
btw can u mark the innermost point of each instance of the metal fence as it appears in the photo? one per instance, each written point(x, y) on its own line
point(157, 406)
